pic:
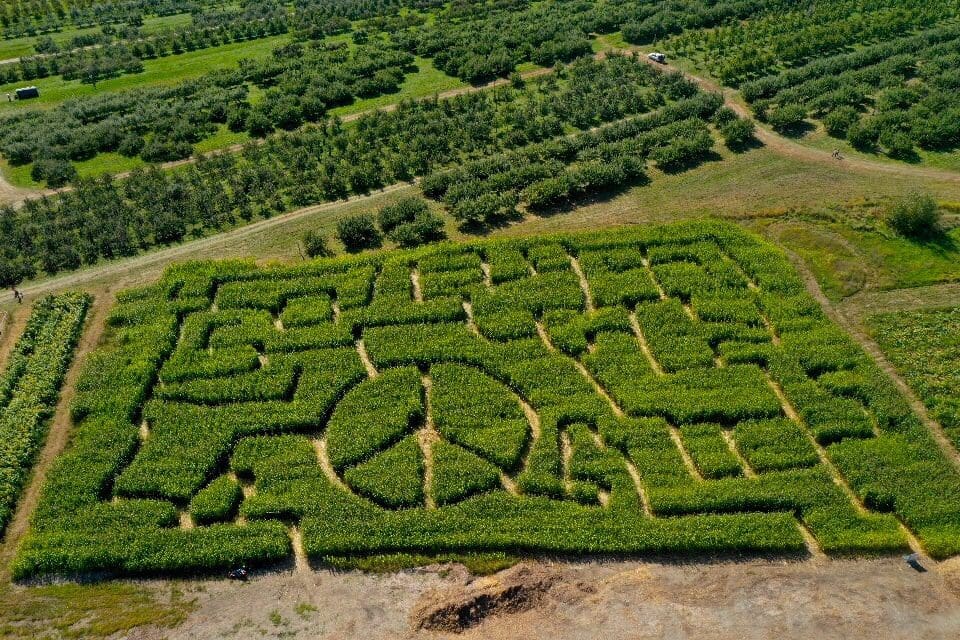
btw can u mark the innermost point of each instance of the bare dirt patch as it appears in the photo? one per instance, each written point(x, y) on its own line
point(517, 589)
point(721, 599)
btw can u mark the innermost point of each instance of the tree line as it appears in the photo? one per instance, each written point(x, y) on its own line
point(104, 218)
point(301, 82)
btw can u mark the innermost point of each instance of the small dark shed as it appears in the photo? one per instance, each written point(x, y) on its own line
point(24, 93)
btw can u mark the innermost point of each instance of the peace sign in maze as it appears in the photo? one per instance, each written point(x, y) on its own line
point(667, 389)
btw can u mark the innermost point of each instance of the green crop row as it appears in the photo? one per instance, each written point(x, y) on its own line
point(30, 386)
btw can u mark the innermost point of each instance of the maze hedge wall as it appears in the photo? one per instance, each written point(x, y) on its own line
point(651, 390)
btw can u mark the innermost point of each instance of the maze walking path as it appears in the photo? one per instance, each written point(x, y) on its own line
point(853, 324)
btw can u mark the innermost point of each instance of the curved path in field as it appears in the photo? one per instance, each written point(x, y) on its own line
point(853, 324)
point(787, 147)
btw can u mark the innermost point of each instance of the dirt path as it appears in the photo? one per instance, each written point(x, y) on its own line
point(785, 146)
point(15, 196)
point(854, 326)
point(720, 599)
point(57, 436)
point(162, 257)
point(14, 321)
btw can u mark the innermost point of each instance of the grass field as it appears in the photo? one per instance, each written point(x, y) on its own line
point(426, 81)
point(161, 71)
point(21, 47)
point(924, 346)
point(535, 382)
point(847, 261)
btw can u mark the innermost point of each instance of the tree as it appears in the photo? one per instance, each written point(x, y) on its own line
point(315, 245)
point(258, 123)
point(682, 153)
point(838, 122)
point(738, 133)
point(56, 172)
point(724, 116)
point(426, 227)
point(863, 134)
point(787, 118)
point(403, 210)
point(916, 215)
point(547, 193)
point(13, 271)
point(358, 232)
point(131, 145)
point(898, 144)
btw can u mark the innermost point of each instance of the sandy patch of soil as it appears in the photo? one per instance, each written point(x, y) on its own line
point(759, 598)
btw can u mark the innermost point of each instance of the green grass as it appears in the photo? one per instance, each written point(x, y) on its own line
point(97, 611)
point(610, 42)
point(425, 82)
point(19, 176)
point(924, 346)
point(112, 163)
point(107, 163)
point(162, 71)
point(847, 261)
point(20, 47)
point(222, 138)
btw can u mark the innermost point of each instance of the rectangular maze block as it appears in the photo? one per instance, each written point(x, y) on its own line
point(652, 390)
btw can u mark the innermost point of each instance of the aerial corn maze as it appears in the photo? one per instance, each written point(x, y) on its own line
point(667, 389)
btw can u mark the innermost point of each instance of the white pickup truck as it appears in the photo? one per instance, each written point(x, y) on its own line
point(658, 57)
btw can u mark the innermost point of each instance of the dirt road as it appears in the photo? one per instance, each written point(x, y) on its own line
point(785, 146)
point(762, 599)
point(156, 260)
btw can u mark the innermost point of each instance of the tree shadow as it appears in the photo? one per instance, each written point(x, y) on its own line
point(910, 157)
point(751, 144)
point(938, 242)
point(692, 163)
point(796, 130)
point(593, 197)
point(485, 228)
